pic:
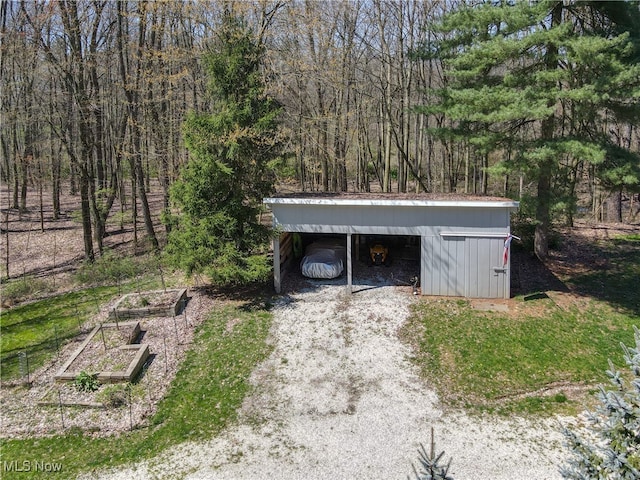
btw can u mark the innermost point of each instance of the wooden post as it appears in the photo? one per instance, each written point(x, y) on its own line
point(349, 265)
point(277, 279)
point(61, 408)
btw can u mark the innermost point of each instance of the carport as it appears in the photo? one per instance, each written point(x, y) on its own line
point(462, 238)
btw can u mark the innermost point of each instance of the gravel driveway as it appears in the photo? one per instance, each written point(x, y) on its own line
point(339, 399)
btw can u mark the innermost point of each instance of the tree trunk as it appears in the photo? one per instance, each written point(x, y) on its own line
point(55, 158)
point(85, 208)
point(6, 241)
point(467, 165)
point(485, 174)
point(24, 181)
point(40, 194)
point(541, 240)
point(543, 208)
point(55, 182)
point(6, 167)
point(386, 148)
point(73, 181)
point(134, 204)
point(16, 184)
point(146, 212)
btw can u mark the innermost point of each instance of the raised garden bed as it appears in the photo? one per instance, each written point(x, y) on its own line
point(156, 303)
point(108, 351)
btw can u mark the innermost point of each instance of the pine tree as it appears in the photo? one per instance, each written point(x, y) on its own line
point(543, 80)
point(220, 191)
point(430, 466)
point(611, 450)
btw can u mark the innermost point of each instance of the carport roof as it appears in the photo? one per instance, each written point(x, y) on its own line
point(392, 199)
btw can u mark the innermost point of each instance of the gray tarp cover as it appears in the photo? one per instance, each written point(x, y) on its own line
point(323, 259)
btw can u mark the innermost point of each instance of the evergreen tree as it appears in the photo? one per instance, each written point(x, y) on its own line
point(612, 451)
point(220, 191)
point(430, 464)
point(542, 80)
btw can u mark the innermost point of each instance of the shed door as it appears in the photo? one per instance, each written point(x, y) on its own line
point(464, 266)
point(486, 277)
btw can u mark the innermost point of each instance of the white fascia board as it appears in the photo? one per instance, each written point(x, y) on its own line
point(392, 203)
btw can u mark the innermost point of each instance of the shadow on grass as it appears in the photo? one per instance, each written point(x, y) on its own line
point(253, 297)
point(530, 277)
point(612, 274)
point(41, 329)
point(608, 271)
point(14, 369)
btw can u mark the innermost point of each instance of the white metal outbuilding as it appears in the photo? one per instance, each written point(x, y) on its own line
point(462, 238)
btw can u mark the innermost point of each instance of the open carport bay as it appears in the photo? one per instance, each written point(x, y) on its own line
point(401, 266)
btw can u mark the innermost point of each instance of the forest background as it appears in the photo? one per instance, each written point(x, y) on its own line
point(95, 93)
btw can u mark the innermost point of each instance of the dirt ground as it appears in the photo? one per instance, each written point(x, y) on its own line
point(42, 247)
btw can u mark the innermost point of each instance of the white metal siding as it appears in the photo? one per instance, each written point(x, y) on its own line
point(443, 266)
point(388, 220)
point(453, 269)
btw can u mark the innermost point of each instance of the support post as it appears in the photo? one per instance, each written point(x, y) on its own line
point(276, 264)
point(423, 264)
point(349, 265)
point(507, 274)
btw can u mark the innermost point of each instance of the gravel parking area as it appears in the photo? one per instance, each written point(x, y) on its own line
point(340, 399)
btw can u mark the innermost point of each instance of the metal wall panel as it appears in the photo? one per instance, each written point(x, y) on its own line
point(453, 274)
point(485, 276)
point(463, 266)
point(388, 220)
point(426, 260)
point(443, 266)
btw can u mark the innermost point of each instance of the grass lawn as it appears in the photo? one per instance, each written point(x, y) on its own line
point(39, 328)
point(501, 362)
point(488, 360)
point(204, 397)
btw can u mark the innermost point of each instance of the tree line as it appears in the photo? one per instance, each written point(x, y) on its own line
point(375, 95)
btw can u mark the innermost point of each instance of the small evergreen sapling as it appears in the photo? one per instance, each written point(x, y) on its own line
point(430, 464)
point(612, 450)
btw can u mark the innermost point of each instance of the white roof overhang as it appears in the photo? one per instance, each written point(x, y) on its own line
point(510, 204)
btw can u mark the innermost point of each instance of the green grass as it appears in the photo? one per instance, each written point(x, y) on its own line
point(488, 360)
point(40, 327)
point(617, 283)
point(502, 362)
point(23, 288)
point(203, 399)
